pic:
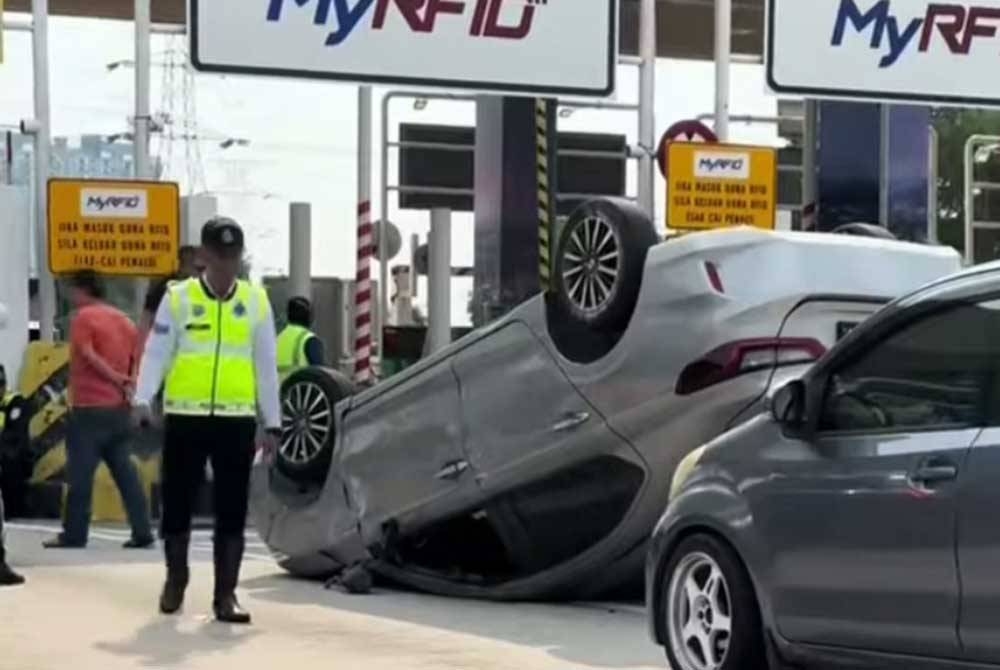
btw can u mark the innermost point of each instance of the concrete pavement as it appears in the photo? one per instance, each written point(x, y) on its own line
point(95, 609)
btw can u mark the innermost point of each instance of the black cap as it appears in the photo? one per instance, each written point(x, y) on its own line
point(222, 234)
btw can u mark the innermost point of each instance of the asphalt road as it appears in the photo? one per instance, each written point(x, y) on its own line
point(95, 609)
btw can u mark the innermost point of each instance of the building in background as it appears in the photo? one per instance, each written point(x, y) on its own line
point(85, 157)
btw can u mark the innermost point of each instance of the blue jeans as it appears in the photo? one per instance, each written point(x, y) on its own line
point(95, 435)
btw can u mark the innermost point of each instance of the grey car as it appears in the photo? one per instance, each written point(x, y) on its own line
point(851, 524)
point(531, 458)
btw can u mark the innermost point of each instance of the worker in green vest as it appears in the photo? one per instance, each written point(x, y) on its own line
point(298, 346)
point(14, 417)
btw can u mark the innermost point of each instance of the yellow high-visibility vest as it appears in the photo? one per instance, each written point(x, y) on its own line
point(213, 367)
point(292, 349)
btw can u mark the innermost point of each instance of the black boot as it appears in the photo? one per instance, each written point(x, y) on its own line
point(175, 549)
point(7, 576)
point(228, 556)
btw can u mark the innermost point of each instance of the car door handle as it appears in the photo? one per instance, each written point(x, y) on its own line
point(932, 473)
point(571, 421)
point(452, 471)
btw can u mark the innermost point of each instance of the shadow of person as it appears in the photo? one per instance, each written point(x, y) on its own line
point(578, 633)
point(166, 642)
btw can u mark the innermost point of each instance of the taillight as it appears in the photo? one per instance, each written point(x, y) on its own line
point(743, 356)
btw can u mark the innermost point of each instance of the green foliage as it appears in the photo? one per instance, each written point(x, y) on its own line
point(954, 127)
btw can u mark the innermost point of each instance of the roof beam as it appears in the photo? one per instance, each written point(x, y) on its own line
point(684, 30)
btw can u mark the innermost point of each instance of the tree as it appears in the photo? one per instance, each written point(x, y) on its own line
point(954, 127)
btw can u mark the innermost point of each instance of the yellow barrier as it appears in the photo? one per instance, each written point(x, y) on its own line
point(44, 380)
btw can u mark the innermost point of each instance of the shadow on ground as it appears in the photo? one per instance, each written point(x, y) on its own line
point(164, 642)
point(575, 633)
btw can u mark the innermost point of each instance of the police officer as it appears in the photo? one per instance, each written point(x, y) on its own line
point(212, 345)
point(298, 346)
point(14, 418)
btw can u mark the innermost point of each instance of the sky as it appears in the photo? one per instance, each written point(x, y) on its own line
point(303, 134)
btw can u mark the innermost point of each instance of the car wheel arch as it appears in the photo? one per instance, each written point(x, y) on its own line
point(735, 542)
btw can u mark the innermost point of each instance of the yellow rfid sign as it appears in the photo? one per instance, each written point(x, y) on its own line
point(720, 185)
point(119, 228)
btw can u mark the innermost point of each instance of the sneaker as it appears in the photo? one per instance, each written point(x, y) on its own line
point(139, 543)
point(60, 542)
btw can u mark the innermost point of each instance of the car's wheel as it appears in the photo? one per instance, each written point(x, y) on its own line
point(308, 431)
point(864, 230)
point(712, 620)
point(600, 260)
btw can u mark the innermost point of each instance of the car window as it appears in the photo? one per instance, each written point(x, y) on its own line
point(935, 373)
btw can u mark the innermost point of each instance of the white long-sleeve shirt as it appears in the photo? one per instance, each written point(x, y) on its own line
point(161, 347)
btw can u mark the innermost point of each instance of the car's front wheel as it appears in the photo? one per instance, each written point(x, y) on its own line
point(712, 620)
point(308, 428)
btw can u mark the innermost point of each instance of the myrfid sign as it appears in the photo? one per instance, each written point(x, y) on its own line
point(915, 50)
point(554, 47)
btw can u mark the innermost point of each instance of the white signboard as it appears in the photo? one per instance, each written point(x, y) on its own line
point(557, 47)
point(916, 50)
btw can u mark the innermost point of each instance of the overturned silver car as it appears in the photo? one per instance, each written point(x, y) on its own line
point(532, 458)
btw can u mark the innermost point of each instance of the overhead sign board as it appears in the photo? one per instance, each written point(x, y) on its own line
point(720, 185)
point(915, 50)
point(117, 228)
point(564, 47)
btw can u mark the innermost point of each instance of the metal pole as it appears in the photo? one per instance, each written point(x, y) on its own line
point(809, 186)
point(723, 55)
point(647, 104)
point(932, 186)
point(439, 281)
point(545, 139)
point(43, 141)
point(300, 249)
point(883, 171)
point(969, 156)
point(143, 26)
point(363, 286)
point(9, 158)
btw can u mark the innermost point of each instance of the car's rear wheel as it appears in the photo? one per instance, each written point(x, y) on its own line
point(600, 260)
point(308, 429)
point(712, 620)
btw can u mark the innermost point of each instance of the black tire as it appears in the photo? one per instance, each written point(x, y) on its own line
point(744, 644)
point(308, 438)
point(864, 230)
point(601, 295)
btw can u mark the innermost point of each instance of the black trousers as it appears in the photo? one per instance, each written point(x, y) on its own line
point(188, 443)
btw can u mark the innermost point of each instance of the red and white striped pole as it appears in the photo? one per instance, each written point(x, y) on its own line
point(363, 321)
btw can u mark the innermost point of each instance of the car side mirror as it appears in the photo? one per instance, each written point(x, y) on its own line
point(789, 404)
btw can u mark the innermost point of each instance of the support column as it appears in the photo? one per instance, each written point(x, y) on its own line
point(856, 143)
point(300, 250)
point(506, 204)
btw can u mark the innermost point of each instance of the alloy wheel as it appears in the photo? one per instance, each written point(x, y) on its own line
point(306, 422)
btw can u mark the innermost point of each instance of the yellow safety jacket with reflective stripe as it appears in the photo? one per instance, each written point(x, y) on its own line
point(292, 349)
point(213, 367)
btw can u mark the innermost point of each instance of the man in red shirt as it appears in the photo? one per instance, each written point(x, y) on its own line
point(102, 347)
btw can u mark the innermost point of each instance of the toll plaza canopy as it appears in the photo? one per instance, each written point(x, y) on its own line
point(684, 30)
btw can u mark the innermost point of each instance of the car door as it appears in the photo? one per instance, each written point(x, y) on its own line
point(978, 527)
point(523, 418)
point(402, 457)
point(863, 534)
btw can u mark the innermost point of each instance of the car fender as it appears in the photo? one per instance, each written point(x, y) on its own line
point(715, 505)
